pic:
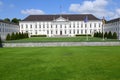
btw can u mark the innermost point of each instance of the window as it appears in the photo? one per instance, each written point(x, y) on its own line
point(39, 26)
point(85, 31)
point(77, 31)
point(85, 25)
point(95, 25)
point(73, 31)
point(81, 25)
point(65, 31)
point(21, 26)
point(26, 26)
point(90, 25)
point(70, 31)
point(81, 31)
point(99, 25)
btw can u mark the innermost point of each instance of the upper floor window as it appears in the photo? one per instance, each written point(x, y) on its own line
point(90, 25)
point(35, 26)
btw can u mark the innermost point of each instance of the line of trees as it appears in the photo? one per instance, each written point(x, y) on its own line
point(14, 20)
point(108, 35)
point(17, 36)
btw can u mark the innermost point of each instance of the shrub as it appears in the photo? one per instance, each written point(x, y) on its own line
point(82, 35)
point(114, 35)
point(109, 35)
point(38, 35)
point(8, 37)
point(1, 42)
point(105, 35)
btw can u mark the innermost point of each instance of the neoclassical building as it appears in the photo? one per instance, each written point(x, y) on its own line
point(113, 26)
point(7, 28)
point(60, 25)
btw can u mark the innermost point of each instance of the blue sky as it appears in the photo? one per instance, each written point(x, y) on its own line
point(22, 8)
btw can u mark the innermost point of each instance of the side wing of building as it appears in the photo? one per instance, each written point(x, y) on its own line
point(7, 28)
point(113, 26)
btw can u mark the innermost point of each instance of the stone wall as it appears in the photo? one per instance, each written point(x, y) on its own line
point(50, 44)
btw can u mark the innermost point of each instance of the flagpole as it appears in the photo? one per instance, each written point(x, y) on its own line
point(103, 31)
point(86, 27)
point(103, 24)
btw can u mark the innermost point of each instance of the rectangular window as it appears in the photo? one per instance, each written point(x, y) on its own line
point(90, 25)
point(95, 25)
point(47, 32)
point(26, 26)
point(85, 25)
point(81, 25)
point(85, 31)
point(65, 31)
point(81, 31)
point(77, 31)
point(39, 26)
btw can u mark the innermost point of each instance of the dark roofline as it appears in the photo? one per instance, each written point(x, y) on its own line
point(51, 17)
point(113, 20)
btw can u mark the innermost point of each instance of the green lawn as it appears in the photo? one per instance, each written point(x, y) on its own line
point(60, 63)
point(62, 39)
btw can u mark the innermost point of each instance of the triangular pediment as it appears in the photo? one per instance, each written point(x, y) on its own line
point(61, 19)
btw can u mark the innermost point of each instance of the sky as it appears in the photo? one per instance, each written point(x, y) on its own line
point(109, 9)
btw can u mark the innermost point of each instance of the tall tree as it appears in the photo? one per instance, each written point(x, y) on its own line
point(7, 20)
point(15, 20)
point(1, 42)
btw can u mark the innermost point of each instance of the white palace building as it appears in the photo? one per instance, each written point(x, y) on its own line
point(61, 25)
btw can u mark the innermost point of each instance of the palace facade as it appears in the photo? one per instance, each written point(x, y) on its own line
point(61, 25)
point(7, 28)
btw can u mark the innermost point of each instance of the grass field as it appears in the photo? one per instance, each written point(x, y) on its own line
point(62, 39)
point(60, 63)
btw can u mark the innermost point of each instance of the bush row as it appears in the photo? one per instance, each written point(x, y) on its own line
point(38, 35)
point(16, 36)
point(108, 35)
point(81, 35)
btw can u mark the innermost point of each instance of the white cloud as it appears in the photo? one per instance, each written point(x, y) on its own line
point(32, 11)
point(96, 7)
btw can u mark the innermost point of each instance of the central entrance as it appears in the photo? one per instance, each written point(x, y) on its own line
point(60, 32)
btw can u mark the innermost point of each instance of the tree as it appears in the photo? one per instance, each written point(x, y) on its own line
point(105, 35)
point(8, 37)
point(109, 35)
point(7, 20)
point(1, 42)
point(15, 20)
point(13, 36)
point(114, 35)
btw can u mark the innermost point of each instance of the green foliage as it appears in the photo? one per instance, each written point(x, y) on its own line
point(6, 20)
point(109, 35)
point(105, 35)
point(77, 35)
point(38, 35)
point(17, 36)
point(114, 35)
point(8, 37)
point(15, 20)
point(0, 42)
point(60, 63)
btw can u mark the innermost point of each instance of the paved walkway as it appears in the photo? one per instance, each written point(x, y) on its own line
point(50, 44)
